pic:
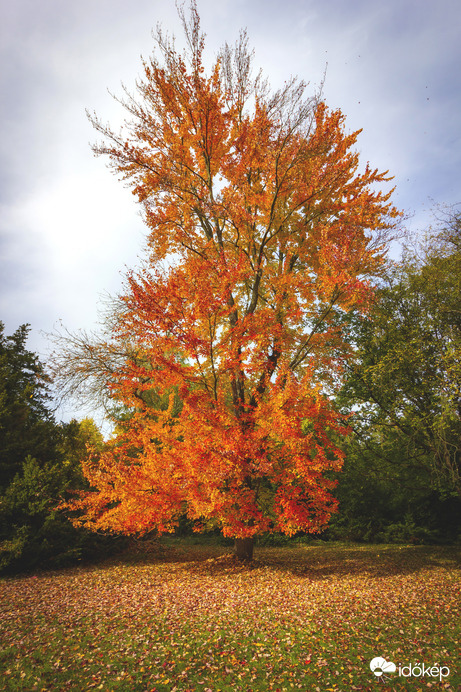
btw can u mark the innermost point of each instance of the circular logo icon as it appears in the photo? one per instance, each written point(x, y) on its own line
point(380, 666)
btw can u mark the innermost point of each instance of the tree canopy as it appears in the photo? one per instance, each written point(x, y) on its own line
point(25, 420)
point(407, 374)
point(39, 465)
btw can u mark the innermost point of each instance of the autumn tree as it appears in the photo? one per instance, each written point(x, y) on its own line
point(263, 233)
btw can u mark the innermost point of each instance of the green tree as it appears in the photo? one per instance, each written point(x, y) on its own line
point(26, 423)
point(34, 531)
point(405, 390)
point(386, 495)
point(39, 465)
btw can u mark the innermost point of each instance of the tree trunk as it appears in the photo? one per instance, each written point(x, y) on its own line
point(243, 548)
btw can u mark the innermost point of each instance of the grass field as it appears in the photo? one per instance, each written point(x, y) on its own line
point(186, 617)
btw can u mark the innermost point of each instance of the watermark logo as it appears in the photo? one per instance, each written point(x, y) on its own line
point(380, 667)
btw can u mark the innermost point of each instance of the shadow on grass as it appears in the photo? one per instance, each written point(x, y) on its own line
point(377, 561)
point(314, 562)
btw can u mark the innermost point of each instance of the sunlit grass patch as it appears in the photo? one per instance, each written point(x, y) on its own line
point(308, 618)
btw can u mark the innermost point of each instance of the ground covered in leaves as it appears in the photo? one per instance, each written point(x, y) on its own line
point(188, 618)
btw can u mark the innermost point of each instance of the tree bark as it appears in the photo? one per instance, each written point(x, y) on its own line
point(243, 548)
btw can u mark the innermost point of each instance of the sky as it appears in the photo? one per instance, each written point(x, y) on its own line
point(69, 230)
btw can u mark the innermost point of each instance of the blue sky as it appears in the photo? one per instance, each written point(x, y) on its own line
point(68, 228)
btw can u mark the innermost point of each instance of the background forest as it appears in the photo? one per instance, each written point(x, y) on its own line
point(401, 478)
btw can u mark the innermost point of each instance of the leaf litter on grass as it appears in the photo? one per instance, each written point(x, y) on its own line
point(297, 618)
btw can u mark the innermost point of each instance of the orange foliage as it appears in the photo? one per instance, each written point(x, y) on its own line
point(263, 235)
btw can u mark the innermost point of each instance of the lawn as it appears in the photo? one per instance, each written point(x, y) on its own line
point(186, 617)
